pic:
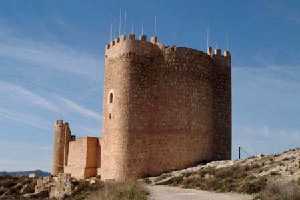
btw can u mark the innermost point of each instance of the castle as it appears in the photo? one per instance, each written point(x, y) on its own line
point(165, 108)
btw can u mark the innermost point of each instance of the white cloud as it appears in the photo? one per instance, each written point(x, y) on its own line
point(25, 118)
point(264, 139)
point(50, 55)
point(75, 107)
point(22, 145)
point(266, 89)
point(26, 96)
point(19, 104)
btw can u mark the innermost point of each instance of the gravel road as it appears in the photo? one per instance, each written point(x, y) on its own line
point(174, 193)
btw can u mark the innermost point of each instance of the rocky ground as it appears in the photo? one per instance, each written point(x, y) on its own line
point(252, 176)
point(16, 187)
point(67, 188)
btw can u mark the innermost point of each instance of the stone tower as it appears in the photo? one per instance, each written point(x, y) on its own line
point(62, 137)
point(165, 108)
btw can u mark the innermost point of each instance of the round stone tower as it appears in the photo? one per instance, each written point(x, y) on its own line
point(165, 108)
point(62, 137)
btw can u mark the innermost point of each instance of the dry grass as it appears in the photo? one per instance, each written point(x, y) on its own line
point(13, 188)
point(280, 191)
point(226, 179)
point(108, 191)
point(120, 191)
point(251, 175)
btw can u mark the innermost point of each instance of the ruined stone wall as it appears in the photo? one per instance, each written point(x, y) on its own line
point(161, 116)
point(83, 157)
point(62, 136)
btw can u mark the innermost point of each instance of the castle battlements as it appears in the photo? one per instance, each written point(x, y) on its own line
point(131, 37)
point(130, 45)
point(59, 122)
point(125, 44)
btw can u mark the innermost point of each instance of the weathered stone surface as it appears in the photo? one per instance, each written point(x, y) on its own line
point(62, 137)
point(43, 184)
point(83, 157)
point(164, 108)
point(171, 109)
point(62, 186)
point(15, 187)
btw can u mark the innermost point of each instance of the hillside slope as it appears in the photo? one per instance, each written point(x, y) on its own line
point(251, 175)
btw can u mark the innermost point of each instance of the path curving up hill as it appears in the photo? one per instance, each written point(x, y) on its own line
point(160, 192)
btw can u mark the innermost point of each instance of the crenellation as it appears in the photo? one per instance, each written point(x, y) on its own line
point(226, 53)
point(143, 38)
point(217, 52)
point(116, 40)
point(132, 47)
point(154, 40)
point(131, 36)
point(210, 51)
point(142, 46)
point(112, 43)
point(122, 37)
point(59, 121)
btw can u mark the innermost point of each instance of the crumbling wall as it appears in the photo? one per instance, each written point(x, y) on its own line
point(62, 137)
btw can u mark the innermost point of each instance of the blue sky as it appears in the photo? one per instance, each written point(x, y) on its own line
point(51, 67)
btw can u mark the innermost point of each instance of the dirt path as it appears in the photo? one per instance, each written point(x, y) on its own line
point(174, 193)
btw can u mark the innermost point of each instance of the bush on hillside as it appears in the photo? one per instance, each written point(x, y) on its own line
point(120, 191)
point(281, 191)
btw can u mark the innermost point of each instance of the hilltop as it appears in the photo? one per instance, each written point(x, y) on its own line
point(254, 175)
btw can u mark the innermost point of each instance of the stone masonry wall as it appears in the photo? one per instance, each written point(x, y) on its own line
point(83, 157)
point(222, 107)
point(62, 136)
point(162, 109)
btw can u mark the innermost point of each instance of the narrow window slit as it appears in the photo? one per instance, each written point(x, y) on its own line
point(111, 98)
